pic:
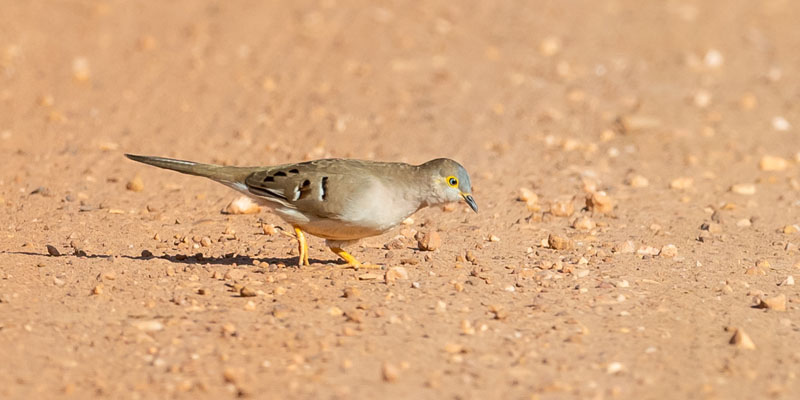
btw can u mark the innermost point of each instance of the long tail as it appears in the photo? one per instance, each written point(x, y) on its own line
point(229, 176)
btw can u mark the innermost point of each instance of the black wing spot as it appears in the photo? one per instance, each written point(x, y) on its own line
point(269, 179)
point(279, 173)
point(294, 171)
point(304, 190)
point(324, 188)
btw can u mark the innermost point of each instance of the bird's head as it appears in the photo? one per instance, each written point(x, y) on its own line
point(450, 182)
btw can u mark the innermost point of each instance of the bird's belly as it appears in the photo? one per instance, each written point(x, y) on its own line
point(333, 229)
point(339, 230)
point(363, 216)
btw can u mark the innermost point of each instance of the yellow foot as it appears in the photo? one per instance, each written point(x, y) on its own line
point(351, 261)
point(302, 245)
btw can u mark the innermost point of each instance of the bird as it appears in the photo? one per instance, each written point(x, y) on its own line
point(337, 199)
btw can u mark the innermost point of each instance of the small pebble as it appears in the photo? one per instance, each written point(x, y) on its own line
point(744, 223)
point(777, 303)
point(429, 241)
point(77, 249)
point(780, 124)
point(614, 368)
point(98, 289)
point(229, 375)
point(453, 348)
point(773, 163)
point(742, 340)
point(228, 329)
point(135, 185)
point(53, 251)
point(599, 202)
point(755, 271)
point(668, 251)
point(712, 227)
point(242, 205)
point(528, 196)
point(335, 311)
point(637, 181)
point(269, 229)
point(681, 183)
point(467, 328)
point(80, 69)
point(583, 224)
point(356, 316)
point(702, 98)
point(149, 325)
point(396, 243)
point(280, 311)
point(549, 46)
point(748, 101)
point(746, 189)
point(497, 311)
point(562, 207)
point(559, 243)
point(390, 372)
point(628, 124)
point(369, 276)
point(352, 292)
point(247, 292)
point(625, 247)
point(395, 274)
point(647, 251)
point(763, 263)
point(789, 281)
point(234, 275)
point(469, 256)
point(713, 59)
point(41, 190)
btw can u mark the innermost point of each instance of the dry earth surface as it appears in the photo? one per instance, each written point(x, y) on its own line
point(678, 119)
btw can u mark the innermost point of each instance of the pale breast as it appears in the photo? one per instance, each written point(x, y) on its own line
point(373, 210)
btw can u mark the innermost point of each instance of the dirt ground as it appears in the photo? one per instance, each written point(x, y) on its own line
point(679, 120)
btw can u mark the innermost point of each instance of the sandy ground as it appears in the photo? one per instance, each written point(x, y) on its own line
point(678, 118)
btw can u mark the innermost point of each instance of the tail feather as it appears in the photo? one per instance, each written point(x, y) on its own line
point(230, 176)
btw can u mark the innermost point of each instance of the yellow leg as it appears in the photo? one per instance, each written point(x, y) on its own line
point(351, 261)
point(302, 245)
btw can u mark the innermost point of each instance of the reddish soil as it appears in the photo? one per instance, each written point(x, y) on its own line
point(668, 108)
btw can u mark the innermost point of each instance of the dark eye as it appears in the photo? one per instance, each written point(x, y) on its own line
point(452, 181)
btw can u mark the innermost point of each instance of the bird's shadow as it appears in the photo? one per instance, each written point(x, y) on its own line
point(195, 259)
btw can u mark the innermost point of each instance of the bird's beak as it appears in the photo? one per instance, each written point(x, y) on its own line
point(470, 201)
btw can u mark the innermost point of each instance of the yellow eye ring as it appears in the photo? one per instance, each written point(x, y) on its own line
point(452, 181)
